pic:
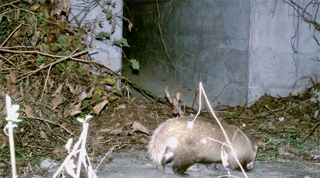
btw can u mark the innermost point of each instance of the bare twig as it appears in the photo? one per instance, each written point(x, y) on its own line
point(312, 131)
point(63, 58)
point(306, 16)
point(51, 122)
point(108, 153)
point(10, 3)
point(10, 35)
point(159, 26)
point(45, 84)
point(6, 59)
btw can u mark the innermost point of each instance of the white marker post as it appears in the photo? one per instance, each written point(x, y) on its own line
point(12, 117)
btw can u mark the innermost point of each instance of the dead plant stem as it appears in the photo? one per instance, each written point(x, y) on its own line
point(10, 35)
point(51, 122)
point(45, 83)
point(312, 131)
point(159, 26)
point(7, 60)
point(10, 3)
point(63, 58)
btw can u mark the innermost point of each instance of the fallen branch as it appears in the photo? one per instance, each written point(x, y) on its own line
point(10, 35)
point(51, 122)
point(10, 3)
point(63, 58)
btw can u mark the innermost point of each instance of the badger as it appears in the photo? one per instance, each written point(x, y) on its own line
point(183, 142)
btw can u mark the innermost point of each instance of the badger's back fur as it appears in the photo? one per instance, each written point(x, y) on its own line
point(174, 140)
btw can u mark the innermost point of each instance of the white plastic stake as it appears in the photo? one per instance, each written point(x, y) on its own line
point(12, 117)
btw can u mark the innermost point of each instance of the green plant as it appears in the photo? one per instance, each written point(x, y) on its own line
point(266, 139)
point(271, 151)
point(292, 137)
point(35, 160)
point(121, 42)
point(64, 41)
point(134, 64)
point(103, 36)
point(263, 128)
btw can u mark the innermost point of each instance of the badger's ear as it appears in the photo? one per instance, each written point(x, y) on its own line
point(252, 157)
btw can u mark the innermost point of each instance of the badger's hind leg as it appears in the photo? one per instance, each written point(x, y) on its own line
point(181, 163)
point(212, 166)
point(167, 157)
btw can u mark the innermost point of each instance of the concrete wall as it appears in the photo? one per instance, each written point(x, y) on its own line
point(274, 68)
point(239, 49)
point(210, 46)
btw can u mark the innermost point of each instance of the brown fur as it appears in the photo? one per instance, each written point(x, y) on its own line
point(173, 141)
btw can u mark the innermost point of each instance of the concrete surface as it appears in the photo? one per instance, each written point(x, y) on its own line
point(135, 164)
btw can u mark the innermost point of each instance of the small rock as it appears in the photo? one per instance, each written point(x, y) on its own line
point(48, 163)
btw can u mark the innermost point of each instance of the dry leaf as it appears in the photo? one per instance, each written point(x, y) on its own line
point(116, 130)
point(43, 135)
point(114, 23)
point(57, 101)
point(71, 88)
point(99, 107)
point(63, 125)
point(28, 110)
point(128, 123)
point(130, 26)
point(112, 131)
point(49, 85)
point(106, 130)
point(99, 138)
point(82, 96)
point(85, 95)
point(58, 90)
point(61, 6)
point(11, 87)
point(3, 140)
point(137, 126)
point(121, 106)
point(59, 151)
point(78, 89)
point(90, 92)
point(66, 6)
point(35, 7)
point(117, 125)
point(143, 140)
point(76, 109)
point(13, 77)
